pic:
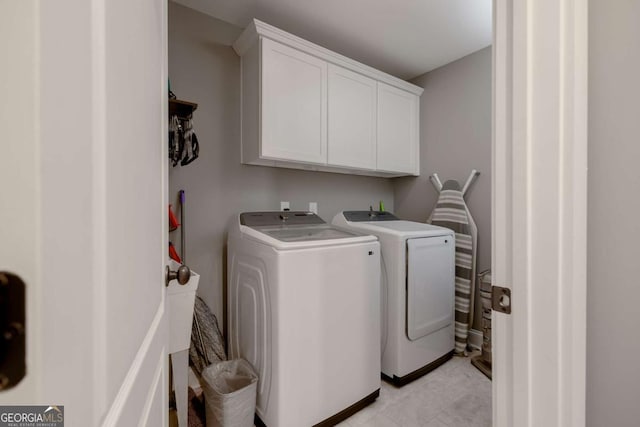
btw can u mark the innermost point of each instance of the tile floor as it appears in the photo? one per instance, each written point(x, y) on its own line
point(454, 395)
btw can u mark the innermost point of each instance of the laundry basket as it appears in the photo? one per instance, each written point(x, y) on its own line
point(230, 390)
point(483, 360)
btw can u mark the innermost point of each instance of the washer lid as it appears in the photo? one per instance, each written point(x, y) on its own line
point(296, 230)
point(302, 233)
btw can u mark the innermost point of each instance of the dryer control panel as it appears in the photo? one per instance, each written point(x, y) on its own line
point(370, 215)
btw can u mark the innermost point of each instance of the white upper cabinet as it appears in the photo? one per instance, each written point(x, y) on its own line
point(352, 119)
point(294, 105)
point(398, 124)
point(306, 107)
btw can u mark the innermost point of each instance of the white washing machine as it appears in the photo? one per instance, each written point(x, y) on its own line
point(418, 291)
point(303, 309)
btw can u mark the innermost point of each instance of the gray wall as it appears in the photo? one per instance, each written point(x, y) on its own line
point(203, 68)
point(613, 298)
point(455, 137)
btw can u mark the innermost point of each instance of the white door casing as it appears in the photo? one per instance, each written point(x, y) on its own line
point(86, 121)
point(539, 211)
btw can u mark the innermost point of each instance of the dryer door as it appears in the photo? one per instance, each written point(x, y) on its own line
point(430, 285)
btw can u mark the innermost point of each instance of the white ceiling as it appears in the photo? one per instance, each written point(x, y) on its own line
point(405, 38)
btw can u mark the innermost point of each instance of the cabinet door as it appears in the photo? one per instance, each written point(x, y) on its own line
point(398, 130)
point(352, 119)
point(294, 105)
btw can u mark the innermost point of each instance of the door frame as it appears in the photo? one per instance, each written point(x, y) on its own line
point(538, 217)
point(539, 194)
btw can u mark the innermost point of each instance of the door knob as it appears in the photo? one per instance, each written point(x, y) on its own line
point(182, 275)
point(12, 330)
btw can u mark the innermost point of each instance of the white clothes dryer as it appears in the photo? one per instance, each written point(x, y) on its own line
point(418, 291)
point(303, 309)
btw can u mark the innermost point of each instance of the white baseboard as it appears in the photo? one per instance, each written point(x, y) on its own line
point(475, 339)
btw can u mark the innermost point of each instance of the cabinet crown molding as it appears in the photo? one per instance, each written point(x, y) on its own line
point(257, 29)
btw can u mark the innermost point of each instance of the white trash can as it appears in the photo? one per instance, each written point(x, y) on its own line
point(230, 390)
